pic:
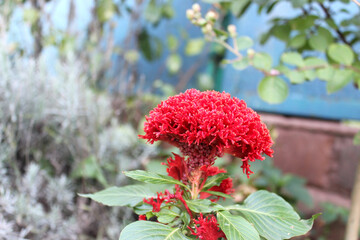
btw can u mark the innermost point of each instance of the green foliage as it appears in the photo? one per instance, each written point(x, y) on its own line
point(262, 214)
point(273, 89)
point(154, 178)
point(236, 227)
point(151, 231)
point(309, 33)
point(121, 196)
point(272, 216)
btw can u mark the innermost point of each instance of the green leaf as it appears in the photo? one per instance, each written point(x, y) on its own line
point(172, 43)
point(236, 227)
point(273, 90)
point(31, 15)
point(173, 63)
point(244, 42)
point(194, 46)
point(241, 64)
point(90, 168)
point(315, 62)
point(318, 42)
point(121, 196)
point(341, 53)
point(281, 32)
point(325, 73)
point(147, 230)
point(105, 10)
point(203, 205)
point(150, 177)
point(357, 138)
point(340, 79)
point(215, 180)
point(167, 215)
point(238, 7)
point(262, 61)
point(272, 216)
point(153, 12)
point(296, 77)
point(298, 41)
point(293, 58)
point(220, 194)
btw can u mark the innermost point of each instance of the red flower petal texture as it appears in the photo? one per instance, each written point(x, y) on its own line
point(207, 228)
point(226, 186)
point(176, 167)
point(209, 171)
point(204, 125)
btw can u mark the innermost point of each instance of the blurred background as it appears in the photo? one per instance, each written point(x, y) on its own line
point(78, 77)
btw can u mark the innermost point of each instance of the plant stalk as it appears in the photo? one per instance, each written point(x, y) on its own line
point(352, 226)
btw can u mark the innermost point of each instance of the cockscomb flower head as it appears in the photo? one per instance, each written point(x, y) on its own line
point(205, 125)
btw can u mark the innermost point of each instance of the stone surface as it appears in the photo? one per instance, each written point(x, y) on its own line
point(306, 154)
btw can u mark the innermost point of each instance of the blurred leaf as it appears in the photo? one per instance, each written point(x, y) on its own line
point(150, 46)
point(295, 77)
point(339, 80)
point(31, 15)
point(318, 42)
point(357, 138)
point(236, 227)
point(122, 196)
point(173, 63)
point(241, 64)
point(295, 187)
point(303, 22)
point(105, 10)
point(172, 42)
point(298, 41)
point(153, 12)
point(131, 56)
point(341, 53)
point(325, 73)
point(293, 58)
point(167, 10)
point(262, 61)
point(273, 90)
point(194, 46)
point(238, 7)
point(314, 62)
point(281, 32)
point(299, 3)
point(89, 168)
point(244, 42)
point(205, 82)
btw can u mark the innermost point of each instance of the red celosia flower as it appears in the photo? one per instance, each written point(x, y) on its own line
point(155, 203)
point(204, 125)
point(142, 218)
point(176, 168)
point(211, 170)
point(226, 186)
point(207, 228)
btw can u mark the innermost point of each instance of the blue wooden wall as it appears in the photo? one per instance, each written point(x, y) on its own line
point(308, 99)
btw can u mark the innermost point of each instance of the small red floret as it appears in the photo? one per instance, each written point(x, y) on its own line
point(226, 186)
point(142, 218)
point(207, 228)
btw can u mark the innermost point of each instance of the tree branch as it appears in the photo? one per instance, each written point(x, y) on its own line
point(355, 1)
point(328, 16)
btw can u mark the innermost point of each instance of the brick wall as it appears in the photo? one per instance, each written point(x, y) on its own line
point(320, 151)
